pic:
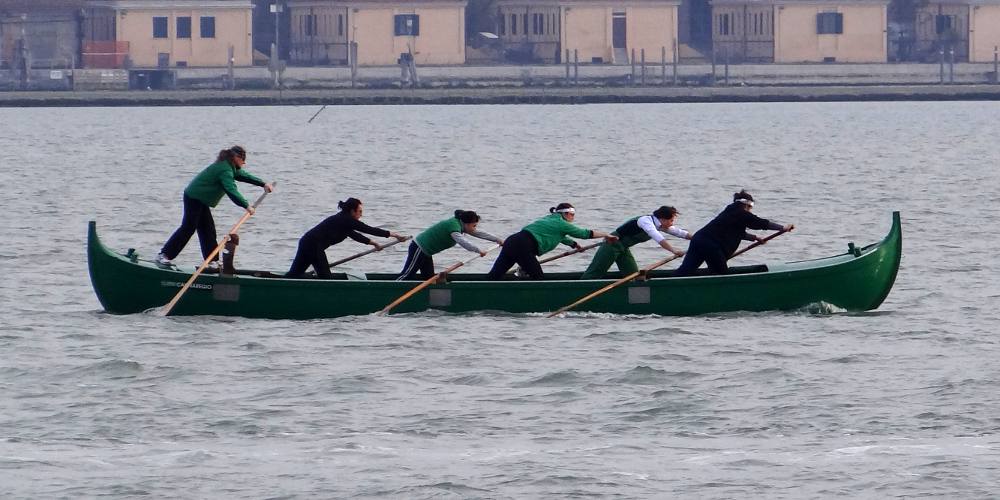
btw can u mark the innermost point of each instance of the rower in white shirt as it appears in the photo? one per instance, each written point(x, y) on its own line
point(632, 232)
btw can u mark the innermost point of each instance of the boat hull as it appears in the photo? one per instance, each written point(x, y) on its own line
point(857, 280)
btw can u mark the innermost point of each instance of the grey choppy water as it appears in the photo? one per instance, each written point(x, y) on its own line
point(896, 402)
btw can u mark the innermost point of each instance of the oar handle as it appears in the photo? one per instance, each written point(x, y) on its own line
point(759, 243)
point(564, 254)
point(571, 252)
point(366, 252)
point(616, 284)
point(385, 310)
point(225, 239)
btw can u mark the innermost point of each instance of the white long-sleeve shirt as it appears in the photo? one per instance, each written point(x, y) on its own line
point(651, 225)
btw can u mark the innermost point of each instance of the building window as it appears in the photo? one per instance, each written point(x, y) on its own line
point(309, 25)
point(513, 24)
point(829, 23)
point(159, 27)
point(407, 25)
point(501, 24)
point(340, 25)
point(184, 27)
point(943, 23)
point(723, 24)
point(208, 27)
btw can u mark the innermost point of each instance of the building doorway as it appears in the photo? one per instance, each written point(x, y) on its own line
point(618, 38)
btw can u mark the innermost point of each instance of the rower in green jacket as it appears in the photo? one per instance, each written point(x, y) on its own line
point(541, 236)
point(203, 193)
point(634, 231)
point(442, 236)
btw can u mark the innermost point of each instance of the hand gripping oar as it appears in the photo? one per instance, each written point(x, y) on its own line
point(385, 310)
point(759, 243)
point(613, 285)
point(566, 253)
point(211, 257)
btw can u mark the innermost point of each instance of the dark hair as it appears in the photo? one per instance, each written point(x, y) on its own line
point(349, 205)
point(561, 206)
point(233, 152)
point(466, 216)
point(665, 212)
point(742, 195)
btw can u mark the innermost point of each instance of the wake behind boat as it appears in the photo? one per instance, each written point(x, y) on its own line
point(857, 280)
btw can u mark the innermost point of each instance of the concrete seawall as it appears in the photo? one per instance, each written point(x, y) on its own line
point(501, 95)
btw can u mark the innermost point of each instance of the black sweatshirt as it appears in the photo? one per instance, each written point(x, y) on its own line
point(730, 226)
point(335, 228)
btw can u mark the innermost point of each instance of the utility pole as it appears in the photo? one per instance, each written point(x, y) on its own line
point(276, 9)
point(275, 63)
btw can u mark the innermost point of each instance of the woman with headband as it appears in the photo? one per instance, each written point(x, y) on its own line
point(204, 193)
point(715, 243)
point(539, 237)
point(442, 236)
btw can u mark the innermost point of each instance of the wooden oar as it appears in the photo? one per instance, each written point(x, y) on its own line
point(759, 243)
point(566, 253)
point(385, 310)
point(211, 257)
point(366, 252)
point(317, 114)
point(362, 254)
point(613, 285)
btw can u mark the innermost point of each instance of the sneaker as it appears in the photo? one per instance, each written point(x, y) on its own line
point(212, 267)
point(162, 260)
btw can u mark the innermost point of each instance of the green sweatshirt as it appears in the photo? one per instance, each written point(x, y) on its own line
point(552, 229)
point(438, 237)
point(218, 179)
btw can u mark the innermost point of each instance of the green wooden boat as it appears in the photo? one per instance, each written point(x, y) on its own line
point(857, 280)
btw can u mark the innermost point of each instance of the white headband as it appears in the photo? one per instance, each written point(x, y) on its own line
point(569, 210)
point(745, 201)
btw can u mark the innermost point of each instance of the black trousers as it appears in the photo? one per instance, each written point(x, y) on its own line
point(703, 250)
point(416, 261)
point(197, 217)
point(310, 253)
point(520, 248)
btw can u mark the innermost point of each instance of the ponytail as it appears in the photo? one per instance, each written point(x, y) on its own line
point(231, 153)
point(349, 205)
point(466, 216)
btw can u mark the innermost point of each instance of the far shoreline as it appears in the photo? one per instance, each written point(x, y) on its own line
point(501, 95)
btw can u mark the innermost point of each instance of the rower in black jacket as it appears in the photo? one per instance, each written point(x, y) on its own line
point(715, 243)
point(333, 230)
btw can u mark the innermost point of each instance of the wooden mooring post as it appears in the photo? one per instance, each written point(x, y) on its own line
point(642, 58)
point(663, 65)
point(941, 65)
point(631, 60)
point(576, 67)
point(677, 56)
point(996, 59)
point(567, 67)
point(352, 55)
